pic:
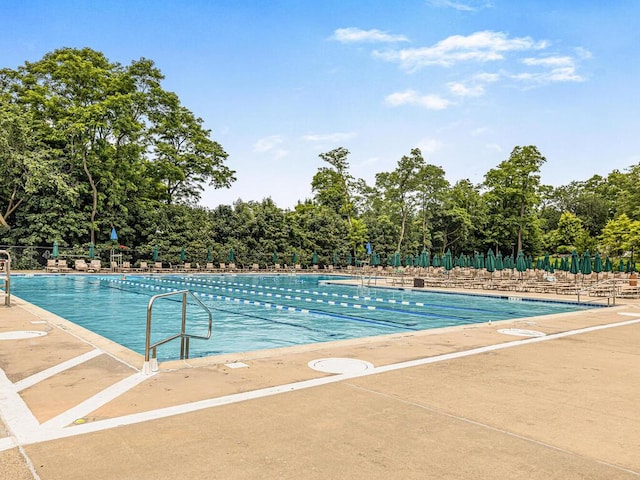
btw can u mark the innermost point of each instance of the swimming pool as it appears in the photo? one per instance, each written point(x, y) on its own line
point(255, 312)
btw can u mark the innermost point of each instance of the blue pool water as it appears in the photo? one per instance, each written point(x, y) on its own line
point(254, 312)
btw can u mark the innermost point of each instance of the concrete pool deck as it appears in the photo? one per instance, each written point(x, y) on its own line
point(462, 402)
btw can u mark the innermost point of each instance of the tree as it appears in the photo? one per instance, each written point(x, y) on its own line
point(620, 235)
point(400, 188)
point(513, 194)
point(185, 157)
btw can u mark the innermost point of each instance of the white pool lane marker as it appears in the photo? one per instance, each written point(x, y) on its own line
point(26, 429)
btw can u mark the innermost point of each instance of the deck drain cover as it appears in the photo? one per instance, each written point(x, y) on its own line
point(521, 332)
point(340, 365)
point(21, 334)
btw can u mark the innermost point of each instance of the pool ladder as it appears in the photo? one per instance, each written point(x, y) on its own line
point(150, 359)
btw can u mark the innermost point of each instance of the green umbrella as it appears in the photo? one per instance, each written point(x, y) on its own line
point(556, 264)
point(335, 259)
point(597, 264)
point(397, 261)
point(375, 260)
point(521, 263)
point(447, 261)
point(436, 260)
point(209, 258)
point(529, 262)
point(408, 260)
point(546, 263)
point(424, 259)
point(499, 262)
point(155, 253)
point(621, 265)
point(314, 258)
point(575, 263)
point(586, 263)
point(54, 252)
point(628, 267)
point(608, 266)
point(92, 252)
point(294, 258)
point(491, 262)
point(182, 255)
point(231, 255)
point(275, 257)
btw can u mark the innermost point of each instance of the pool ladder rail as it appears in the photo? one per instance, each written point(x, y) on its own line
point(5, 276)
point(150, 350)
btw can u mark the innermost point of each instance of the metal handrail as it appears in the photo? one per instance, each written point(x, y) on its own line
point(7, 278)
point(150, 350)
point(612, 281)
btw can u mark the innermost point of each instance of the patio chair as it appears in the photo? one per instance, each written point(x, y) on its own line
point(255, 267)
point(126, 266)
point(94, 266)
point(81, 265)
point(63, 266)
point(143, 267)
point(209, 267)
point(52, 265)
point(157, 267)
point(223, 267)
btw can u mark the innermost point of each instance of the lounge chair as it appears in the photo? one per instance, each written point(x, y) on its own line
point(232, 267)
point(209, 267)
point(157, 267)
point(143, 267)
point(94, 266)
point(80, 266)
point(223, 267)
point(114, 267)
point(255, 267)
point(126, 266)
point(63, 266)
point(52, 265)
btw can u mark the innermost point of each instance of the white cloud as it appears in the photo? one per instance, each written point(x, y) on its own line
point(481, 47)
point(267, 143)
point(564, 74)
point(356, 35)
point(461, 90)
point(411, 97)
point(494, 146)
point(466, 6)
point(430, 145)
point(486, 77)
point(550, 61)
point(329, 137)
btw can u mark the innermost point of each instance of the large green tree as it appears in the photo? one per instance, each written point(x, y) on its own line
point(513, 195)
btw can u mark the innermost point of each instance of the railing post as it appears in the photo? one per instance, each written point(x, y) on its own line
point(183, 328)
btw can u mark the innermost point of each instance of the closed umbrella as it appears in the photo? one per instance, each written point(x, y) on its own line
point(92, 252)
point(314, 258)
point(231, 255)
point(608, 265)
point(575, 263)
point(209, 258)
point(521, 263)
point(54, 251)
point(408, 260)
point(546, 263)
point(597, 265)
point(294, 258)
point(114, 235)
point(182, 254)
point(491, 262)
point(447, 261)
point(586, 266)
point(499, 262)
point(397, 260)
point(155, 253)
point(436, 260)
point(335, 259)
point(274, 258)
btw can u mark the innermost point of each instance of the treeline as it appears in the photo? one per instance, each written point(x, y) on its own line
point(87, 145)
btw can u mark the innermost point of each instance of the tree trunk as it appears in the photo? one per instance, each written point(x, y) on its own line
point(94, 191)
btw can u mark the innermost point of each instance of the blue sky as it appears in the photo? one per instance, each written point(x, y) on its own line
point(279, 82)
